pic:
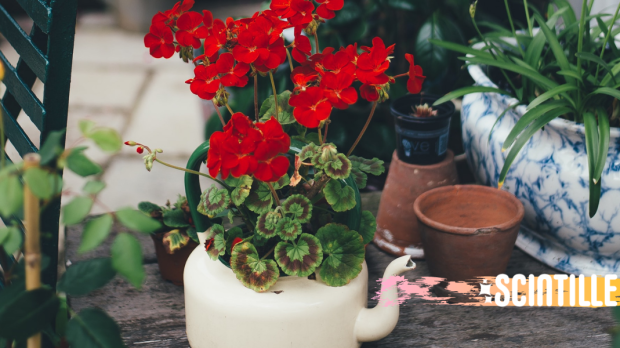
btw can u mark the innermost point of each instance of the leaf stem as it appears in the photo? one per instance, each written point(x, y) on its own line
point(320, 136)
point(269, 252)
point(274, 193)
point(359, 137)
point(256, 96)
point(316, 43)
point(192, 172)
point(229, 109)
point(275, 94)
point(327, 122)
point(290, 59)
point(217, 109)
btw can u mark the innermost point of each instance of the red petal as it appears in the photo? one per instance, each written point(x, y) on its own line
point(225, 63)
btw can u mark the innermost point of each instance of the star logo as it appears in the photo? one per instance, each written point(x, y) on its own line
point(485, 289)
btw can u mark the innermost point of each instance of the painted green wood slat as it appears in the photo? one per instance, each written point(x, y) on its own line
point(22, 93)
point(16, 134)
point(39, 12)
point(22, 44)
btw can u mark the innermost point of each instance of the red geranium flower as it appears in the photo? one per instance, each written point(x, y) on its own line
point(339, 62)
point(371, 65)
point(242, 130)
point(190, 30)
point(369, 92)
point(303, 12)
point(217, 39)
point(232, 75)
point(251, 45)
point(311, 107)
point(216, 153)
point(338, 89)
point(159, 40)
point(414, 83)
point(282, 8)
point(206, 82)
point(272, 170)
point(208, 243)
point(302, 76)
point(236, 241)
point(172, 14)
point(276, 55)
point(301, 48)
point(274, 142)
point(327, 8)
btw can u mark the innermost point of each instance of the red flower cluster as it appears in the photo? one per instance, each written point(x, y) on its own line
point(246, 148)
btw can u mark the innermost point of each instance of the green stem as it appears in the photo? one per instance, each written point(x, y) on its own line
point(320, 136)
point(219, 114)
point(274, 193)
point(512, 27)
point(359, 137)
point(268, 253)
point(527, 16)
point(290, 59)
point(256, 96)
point(582, 21)
point(607, 38)
point(192, 172)
point(275, 95)
point(229, 109)
point(316, 43)
point(492, 46)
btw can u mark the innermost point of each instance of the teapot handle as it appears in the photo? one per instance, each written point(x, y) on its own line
point(192, 187)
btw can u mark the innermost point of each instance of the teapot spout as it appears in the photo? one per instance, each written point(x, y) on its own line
point(376, 323)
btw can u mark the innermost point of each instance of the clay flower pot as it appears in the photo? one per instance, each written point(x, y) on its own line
point(171, 266)
point(468, 231)
point(397, 228)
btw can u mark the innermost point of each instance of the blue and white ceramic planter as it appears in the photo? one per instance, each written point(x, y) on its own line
point(550, 177)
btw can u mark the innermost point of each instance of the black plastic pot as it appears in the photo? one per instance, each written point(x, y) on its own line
point(421, 140)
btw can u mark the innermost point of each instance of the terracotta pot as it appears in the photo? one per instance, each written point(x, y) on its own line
point(171, 266)
point(397, 227)
point(468, 231)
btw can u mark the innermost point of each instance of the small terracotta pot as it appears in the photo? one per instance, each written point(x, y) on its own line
point(171, 266)
point(468, 231)
point(397, 227)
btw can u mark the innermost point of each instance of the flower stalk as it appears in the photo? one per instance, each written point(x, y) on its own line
point(359, 137)
point(275, 94)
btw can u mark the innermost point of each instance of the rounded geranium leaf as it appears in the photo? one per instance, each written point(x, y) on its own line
point(260, 199)
point(213, 201)
point(343, 254)
point(299, 207)
point(341, 197)
point(216, 241)
point(267, 223)
point(174, 240)
point(288, 228)
point(371, 166)
point(308, 151)
point(359, 177)
point(254, 273)
point(338, 168)
point(301, 258)
point(368, 226)
point(282, 182)
point(242, 186)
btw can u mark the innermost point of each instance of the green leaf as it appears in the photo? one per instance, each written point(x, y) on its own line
point(12, 196)
point(235, 232)
point(460, 48)
point(40, 182)
point(174, 240)
point(288, 228)
point(530, 116)
point(285, 111)
point(137, 220)
point(561, 89)
point(359, 177)
point(299, 207)
point(242, 187)
point(591, 132)
point(407, 5)
point(607, 91)
point(436, 60)
point(371, 166)
point(148, 207)
point(127, 259)
point(80, 164)
point(338, 168)
point(218, 246)
point(52, 146)
point(28, 313)
point(368, 226)
point(191, 232)
point(107, 139)
point(213, 201)
point(299, 258)
point(603, 144)
point(556, 48)
point(253, 272)
point(231, 217)
point(86, 127)
point(93, 328)
point(282, 182)
point(175, 218)
point(76, 210)
point(596, 59)
point(340, 196)
point(260, 199)
point(570, 73)
point(95, 232)
point(85, 276)
point(468, 90)
point(525, 136)
point(308, 151)
point(266, 224)
point(11, 239)
point(531, 74)
point(93, 187)
point(614, 71)
point(343, 254)
point(500, 117)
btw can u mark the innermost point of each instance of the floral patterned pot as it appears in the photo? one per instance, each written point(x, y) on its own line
point(550, 177)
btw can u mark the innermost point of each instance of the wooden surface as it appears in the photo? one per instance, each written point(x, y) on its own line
point(154, 316)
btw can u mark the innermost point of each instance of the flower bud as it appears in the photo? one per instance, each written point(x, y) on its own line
point(384, 92)
point(312, 27)
point(140, 149)
point(130, 143)
point(159, 150)
point(221, 97)
point(472, 9)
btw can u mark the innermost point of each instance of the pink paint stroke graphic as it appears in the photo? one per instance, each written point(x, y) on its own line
point(397, 289)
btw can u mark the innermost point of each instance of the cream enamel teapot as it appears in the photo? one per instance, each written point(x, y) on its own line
point(296, 312)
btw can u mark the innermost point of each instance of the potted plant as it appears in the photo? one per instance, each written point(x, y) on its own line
point(175, 240)
point(551, 123)
point(296, 260)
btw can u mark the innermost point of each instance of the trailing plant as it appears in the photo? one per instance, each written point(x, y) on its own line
point(277, 172)
point(24, 313)
point(558, 67)
point(177, 225)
